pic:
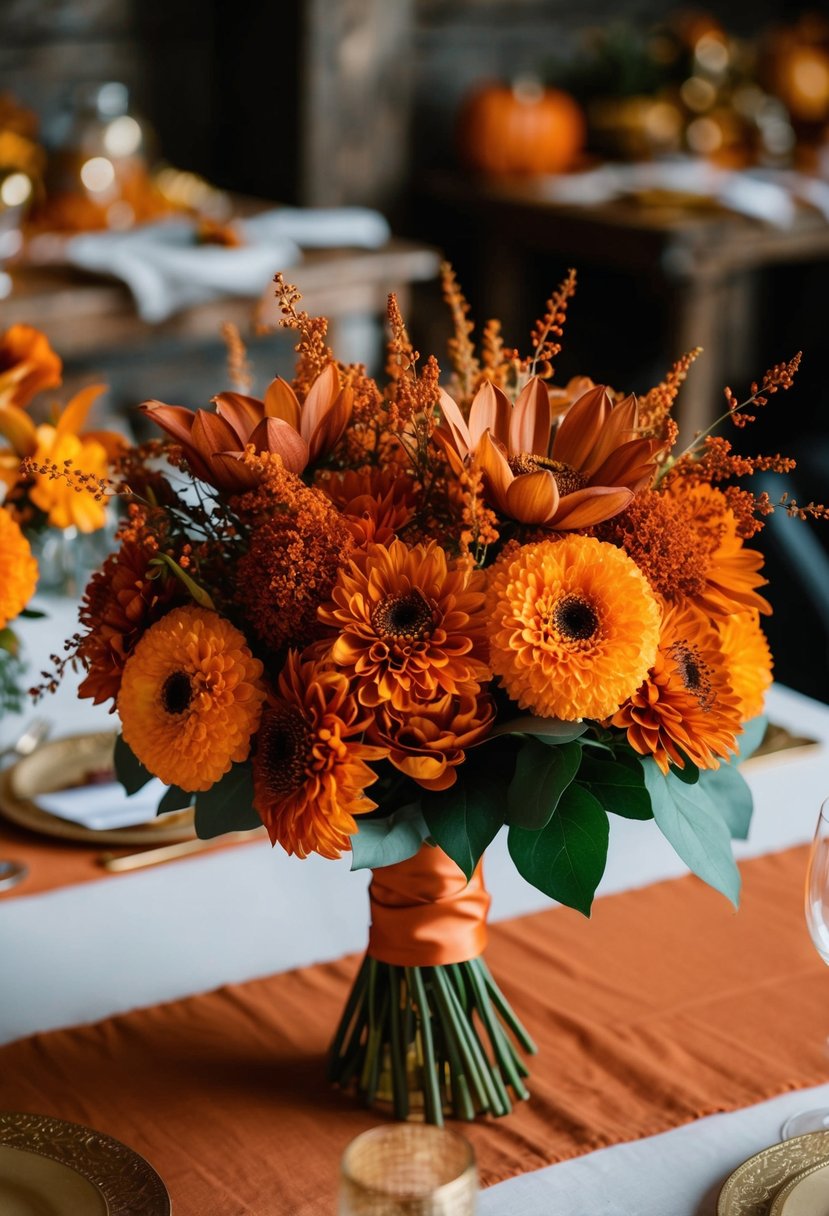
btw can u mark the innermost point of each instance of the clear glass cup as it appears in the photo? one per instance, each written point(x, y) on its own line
point(817, 919)
point(408, 1169)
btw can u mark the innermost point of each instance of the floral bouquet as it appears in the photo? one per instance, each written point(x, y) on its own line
point(393, 621)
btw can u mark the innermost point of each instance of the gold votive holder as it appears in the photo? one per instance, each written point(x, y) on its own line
point(408, 1169)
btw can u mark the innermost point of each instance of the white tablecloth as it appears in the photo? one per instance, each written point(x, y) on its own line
point(84, 952)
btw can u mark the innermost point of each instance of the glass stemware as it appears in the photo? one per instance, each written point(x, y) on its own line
point(408, 1169)
point(817, 919)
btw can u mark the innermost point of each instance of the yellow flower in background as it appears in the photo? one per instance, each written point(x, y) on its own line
point(748, 659)
point(573, 627)
point(18, 570)
point(191, 697)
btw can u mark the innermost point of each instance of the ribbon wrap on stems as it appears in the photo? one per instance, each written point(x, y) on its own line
point(425, 914)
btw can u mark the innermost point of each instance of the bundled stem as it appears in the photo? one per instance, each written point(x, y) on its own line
point(437, 1037)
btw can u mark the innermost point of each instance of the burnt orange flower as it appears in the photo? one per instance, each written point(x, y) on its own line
point(685, 542)
point(18, 570)
point(589, 472)
point(573, 627)
point(377, 502)
point(562, 397)
point(686, 706)
point(301, 434)
point(427, 743)
point(191, 697)
point(410, 624)
point(28, 365)
point(748, 659)
point(310, 769)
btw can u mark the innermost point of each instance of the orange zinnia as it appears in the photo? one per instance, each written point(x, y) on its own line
point(18, 570)
point(596, 461)
point(748, 659)
point(191, 697)
point(310, 771)
point(27, 366)
point(573, 627)
point(300, 434)
point(686, 706)
point(410, 624)
point(427, 744)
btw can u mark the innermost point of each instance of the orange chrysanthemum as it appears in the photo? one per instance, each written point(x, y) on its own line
point(686, 706)
point(749, 660)
point(427, 744)
point(573, 627)
point(686, 544)
point(377, 502)
point(411, 624)
point(18, 570)
point(310, 770)
point(190, 699)
point(27, 365)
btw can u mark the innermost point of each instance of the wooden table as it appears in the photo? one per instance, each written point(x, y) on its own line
point(698, 259)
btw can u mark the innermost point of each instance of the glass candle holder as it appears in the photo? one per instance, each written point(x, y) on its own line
point(408, 1169)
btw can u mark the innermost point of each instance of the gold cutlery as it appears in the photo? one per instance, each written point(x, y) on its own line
point(171, 852)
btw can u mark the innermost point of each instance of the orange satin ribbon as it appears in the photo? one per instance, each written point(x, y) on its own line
point(425, 914)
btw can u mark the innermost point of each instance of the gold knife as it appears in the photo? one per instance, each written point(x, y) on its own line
point(169, 852)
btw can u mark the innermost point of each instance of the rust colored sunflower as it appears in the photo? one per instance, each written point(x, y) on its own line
point(685, 542)
point(410, 624)
point(686, 706)
point(748, 659)
point(18, 570)
point(310, 769)
point(190, 699)
point(573, 627)
point(427, 744)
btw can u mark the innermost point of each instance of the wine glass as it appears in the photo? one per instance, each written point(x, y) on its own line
point(408, 1169)
point(817, 918)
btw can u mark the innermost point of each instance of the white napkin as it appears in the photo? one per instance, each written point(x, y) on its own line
point(104, 806)
point(167, 271)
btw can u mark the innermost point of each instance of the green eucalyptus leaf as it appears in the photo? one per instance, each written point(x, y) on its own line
point(548, 730)
point(619, 787)
point(566, 859)
point(542, 774)
point(688, 774)
point(728, 791)
point(466, 818)
point(754, 731)
point(384, 842)
point(129, 770)
point(175, 799)
point(690, 821)
point(228, 805)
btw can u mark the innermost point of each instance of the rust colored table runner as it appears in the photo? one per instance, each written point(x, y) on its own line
point(666, 1007)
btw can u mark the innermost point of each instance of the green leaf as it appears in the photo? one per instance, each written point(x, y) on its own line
point(566, 859)
point(688, 774)
point(548, 730)
point(174, 799)
point(383, 842)
point(201, 597)
point(228, 805)
point(32, 614)
point(128, 768)
point(731, 797)
point(465, 819)
point(542, 774)
point(753, 734)
point(617, 786)
point(689, 820)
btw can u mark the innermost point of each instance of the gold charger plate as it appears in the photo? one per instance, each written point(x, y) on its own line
point(61, 763)
point(754, 1185)
point(49, 1168)
point(806, 1195)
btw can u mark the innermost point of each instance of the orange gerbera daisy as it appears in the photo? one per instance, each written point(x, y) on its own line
point(573, 627)
point(596, 461)
point(685, 707)
point(748, 659)
point(310, 771)
point(190, 699)
point(411, 624)
point(685, 542)
point(18, 570)
point(427, 744)
point(28, 365)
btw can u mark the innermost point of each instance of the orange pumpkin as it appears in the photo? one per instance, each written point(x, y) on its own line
point(520, 130)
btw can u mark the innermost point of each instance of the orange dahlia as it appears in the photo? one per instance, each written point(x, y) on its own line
point(190, 698)
point(686, 706)
point(411, 624)
point(748, 659)
point(376, 502)
point(18, 570)
point(309, 770)
point(427, 744)
point(27, 365)
point(573, 627)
